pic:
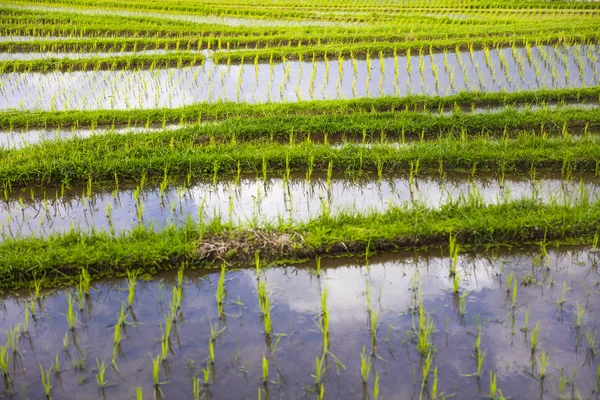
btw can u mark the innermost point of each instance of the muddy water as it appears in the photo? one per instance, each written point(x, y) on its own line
point(397, 285)
point(503, 70)
point(253, 200)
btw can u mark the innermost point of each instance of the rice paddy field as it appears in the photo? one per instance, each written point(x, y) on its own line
point(283, 199)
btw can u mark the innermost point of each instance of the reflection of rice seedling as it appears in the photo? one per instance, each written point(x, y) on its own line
point(590, 338)
point(462, 303)
point(580, 310)
point(525, 326)
point(426, 367)
point(563, 297)
point(514, 294)
point(265, 369)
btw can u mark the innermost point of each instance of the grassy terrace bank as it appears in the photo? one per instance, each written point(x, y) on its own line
point(153, 61)
point(60, 257)
point(127, 27)
point(223, 110)
point(391, 48)
point(212, 39)
point(126, 158)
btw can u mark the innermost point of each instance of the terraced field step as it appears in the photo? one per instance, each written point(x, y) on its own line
point(258, 201)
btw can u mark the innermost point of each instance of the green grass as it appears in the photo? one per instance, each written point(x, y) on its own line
point(130, 157)
point(153, 61)
point(390, 48)
point(218, 111)
point(61, 256)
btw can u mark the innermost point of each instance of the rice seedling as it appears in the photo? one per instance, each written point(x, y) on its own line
point(101, 374)
point(156, 363)
point(365, 366)
point(206, 375)
point(319, 371)
point(71, 314)
point(544, 362)
point(514, 294)
point(374, 318)
point(424, 333)
point(265, 369)
point(131, 285)
point(4, 362)
point(46, 383)
point(534, 337)
point(220, 293)
point(85, 281)
point(426, 368)
point(563, 297)
point(12, 337)
point(462, 304)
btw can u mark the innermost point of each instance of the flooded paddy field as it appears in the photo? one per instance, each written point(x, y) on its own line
point(507, 69)
point(522, 323)
point(299, 200)
point(255, 201)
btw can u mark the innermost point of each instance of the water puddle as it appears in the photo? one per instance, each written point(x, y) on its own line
point(252, 200)
point(550, 304)
point(539, 67)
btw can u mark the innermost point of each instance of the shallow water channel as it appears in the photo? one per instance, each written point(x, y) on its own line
point(440, 74)
point(374, 306)
point(254, 200)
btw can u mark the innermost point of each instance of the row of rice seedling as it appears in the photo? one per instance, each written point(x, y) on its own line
point(76, 25)
point(395, 128)
point(207, 180)
point(243, 318)
point(418, 47)
point(203, 112)
point(293, 197)
point(425, 73)
point(61, 255)
point(128, 157)
point(490, 14)
point(178, 59)
point(211, 42)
